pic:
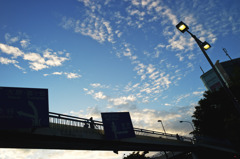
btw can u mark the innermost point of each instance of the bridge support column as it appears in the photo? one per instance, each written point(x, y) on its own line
point(166, 154)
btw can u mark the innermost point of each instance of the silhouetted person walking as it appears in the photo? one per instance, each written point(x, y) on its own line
point(91, 123)
point(178, 138)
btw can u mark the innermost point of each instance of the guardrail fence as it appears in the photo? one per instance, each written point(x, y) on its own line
point(67, 120)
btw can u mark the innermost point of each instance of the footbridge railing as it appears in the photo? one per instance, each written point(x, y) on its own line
point(67, 120)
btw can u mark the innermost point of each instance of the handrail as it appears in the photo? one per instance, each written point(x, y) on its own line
point(51, 114)
point(63, 119)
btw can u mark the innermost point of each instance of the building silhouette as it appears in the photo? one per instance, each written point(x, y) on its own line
point(228, 70)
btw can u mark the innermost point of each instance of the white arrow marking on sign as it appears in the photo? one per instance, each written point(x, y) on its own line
point(34, 116)
point(114, 129)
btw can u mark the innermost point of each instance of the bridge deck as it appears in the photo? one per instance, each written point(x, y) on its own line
point(67, 132)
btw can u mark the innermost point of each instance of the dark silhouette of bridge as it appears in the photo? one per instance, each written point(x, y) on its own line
point(70, 133)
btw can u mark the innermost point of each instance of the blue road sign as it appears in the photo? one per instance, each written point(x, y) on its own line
point(117, 125)
point(23, 108)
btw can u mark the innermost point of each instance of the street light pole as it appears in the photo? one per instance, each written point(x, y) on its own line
point(183, 27)
point(189, 123)
point(162, 126)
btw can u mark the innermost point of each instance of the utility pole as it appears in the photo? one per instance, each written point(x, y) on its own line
point(201, 69)
point(225, 50)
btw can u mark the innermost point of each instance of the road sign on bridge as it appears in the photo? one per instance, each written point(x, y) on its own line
point(117, 125)
point(23, 108)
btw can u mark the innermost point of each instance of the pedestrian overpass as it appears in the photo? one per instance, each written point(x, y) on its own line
point(28, 108)
point(68, 133)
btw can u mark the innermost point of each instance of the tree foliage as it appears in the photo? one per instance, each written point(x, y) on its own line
point(216, 116)
point(137, 155)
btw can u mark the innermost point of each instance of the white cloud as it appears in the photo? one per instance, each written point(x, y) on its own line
point(98, 85)
point(150, 68)
point(93, 26)
point(198, 93)
point(69, 75)
point(95, 85)
point(22, 38)
point(102, 29)
point(36, 60)
point(10, 39)
point(167, 104)
point(136, 85)
point(97, 27)
point(135, 2)
point(89, 92)
point(180, 56)
point(7, 61)
point(34, 57)
point(145, 2)
point(163, 80)
point(190, 65)
point(180, 42)
point(147, 118)
point(52, 58)
point(191, 56)
point(48, 59)
point(140, 68)
point(67, 23)
point(99, 95)
point(57, 73)
point(154, 75)
point(114, 102)
point(24, 43)
point(181, 97)
point(124, 100)
point(37, 66)
point(11, 50)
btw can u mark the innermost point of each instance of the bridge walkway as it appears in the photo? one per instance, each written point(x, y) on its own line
point(68, 132)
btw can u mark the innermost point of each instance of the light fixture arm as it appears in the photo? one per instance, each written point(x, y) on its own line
point(228, 91)
point(162, 126)
point(189, 123)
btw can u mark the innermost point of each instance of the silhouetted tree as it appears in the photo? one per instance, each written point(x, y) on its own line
point(136, 155)
point(215, 116)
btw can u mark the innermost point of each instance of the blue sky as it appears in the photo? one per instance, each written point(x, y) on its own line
point(105, 56)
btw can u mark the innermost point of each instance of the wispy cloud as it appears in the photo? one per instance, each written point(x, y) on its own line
point(72, 75)
point(9, 39)
point(120, 102)
point(7, 61)
point(147, 118)
point(99, 85)
point(37, 61)
point(198, 93)
point(25, 43)
point(22, 38)
point(123, 102)
point(96, 27)
point(11, 50)
point(69, 75)
point(99, 95)
point(151, 79)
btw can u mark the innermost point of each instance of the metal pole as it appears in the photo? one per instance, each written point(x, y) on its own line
point(162, 126)
point(227, 54)
point(228, 91)
point(189, 123)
